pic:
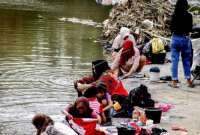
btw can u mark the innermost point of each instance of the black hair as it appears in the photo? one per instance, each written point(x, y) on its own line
point(102, 87)
point(181, 7)
point(100, 67)
point(91, 92)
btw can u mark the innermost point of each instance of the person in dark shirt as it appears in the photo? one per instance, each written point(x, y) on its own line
point(181, 26)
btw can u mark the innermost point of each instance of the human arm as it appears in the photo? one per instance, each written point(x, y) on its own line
point(116, 43)
point(65, 112)
point(115, 64)
point(99, 121)
point(103, 118)
point(109, 106)
point(83, 87)
point(87, 81)
point(136, 62)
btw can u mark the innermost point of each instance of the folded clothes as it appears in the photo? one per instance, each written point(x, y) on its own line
point(164, 107)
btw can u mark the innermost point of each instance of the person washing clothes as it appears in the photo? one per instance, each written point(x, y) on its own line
point(81, 109)
point(129, 60)
point(119, 41)
point(103, 73)
point(45, 125)
point(181, 26)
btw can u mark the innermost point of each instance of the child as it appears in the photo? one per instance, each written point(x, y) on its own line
point(81, 109)
point(91, 95)
point(105, 99)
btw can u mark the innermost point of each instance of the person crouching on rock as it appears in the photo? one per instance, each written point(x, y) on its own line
point(129, 60)
point(103, 73)
point(119, 41)
point(81, 109)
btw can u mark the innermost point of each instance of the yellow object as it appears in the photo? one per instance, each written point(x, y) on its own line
point(117, 106)
point(157, 45)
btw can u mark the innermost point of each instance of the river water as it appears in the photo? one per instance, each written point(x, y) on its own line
point(40, 56)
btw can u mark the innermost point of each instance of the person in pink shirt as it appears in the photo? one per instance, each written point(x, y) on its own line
point(91, 95)
point(129, 60)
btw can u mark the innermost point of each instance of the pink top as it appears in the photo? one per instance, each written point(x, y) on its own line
point(95, 105)
point(94, 114)
point(119, 40)
point(132, 62)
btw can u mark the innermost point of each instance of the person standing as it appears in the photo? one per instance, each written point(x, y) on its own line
point(181, 26)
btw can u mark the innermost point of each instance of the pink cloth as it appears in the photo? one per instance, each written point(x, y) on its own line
point(164, 107)
point(134, 60)
point(119, 40)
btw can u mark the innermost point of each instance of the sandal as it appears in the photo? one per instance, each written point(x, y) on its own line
point(170, 85)
point(175, 128)
point(182, 129)
point(192, 86)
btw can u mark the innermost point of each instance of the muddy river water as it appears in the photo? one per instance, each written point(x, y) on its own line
point(40, 56)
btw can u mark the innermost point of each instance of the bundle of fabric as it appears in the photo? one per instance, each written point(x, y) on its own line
point(85, 126)
point(139, 97)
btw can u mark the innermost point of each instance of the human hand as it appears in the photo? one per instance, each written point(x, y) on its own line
point(99, 120)
point(70, 116)
point(76, 81)
point(125, 76)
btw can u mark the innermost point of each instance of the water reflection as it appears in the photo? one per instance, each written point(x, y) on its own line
point(40, 57)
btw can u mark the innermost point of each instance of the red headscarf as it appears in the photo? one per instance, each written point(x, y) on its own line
point(127, 52)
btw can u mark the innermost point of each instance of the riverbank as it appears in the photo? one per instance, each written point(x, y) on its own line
point(185, 100)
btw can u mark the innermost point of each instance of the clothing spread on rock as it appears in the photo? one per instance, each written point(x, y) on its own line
point(113, 83)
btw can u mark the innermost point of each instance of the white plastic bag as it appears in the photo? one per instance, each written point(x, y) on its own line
point(148, 24)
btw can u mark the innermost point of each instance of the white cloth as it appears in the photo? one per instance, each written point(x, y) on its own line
point(196, 59)
point(196, 53)
point(119, 40)
point(64, 128)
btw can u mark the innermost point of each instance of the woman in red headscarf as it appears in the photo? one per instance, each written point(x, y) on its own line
point(128, 59)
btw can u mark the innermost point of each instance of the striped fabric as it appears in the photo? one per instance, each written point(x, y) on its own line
point(95, 105)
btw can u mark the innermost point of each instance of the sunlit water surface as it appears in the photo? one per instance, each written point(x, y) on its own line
point(40, 56)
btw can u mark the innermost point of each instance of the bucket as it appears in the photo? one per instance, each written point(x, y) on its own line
point(154, 76)
point(117, 106)
point(154, 114)
point(125, 131)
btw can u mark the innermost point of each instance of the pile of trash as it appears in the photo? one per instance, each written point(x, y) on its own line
point(146, 19)
point(82, 21)
point(108, 2)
